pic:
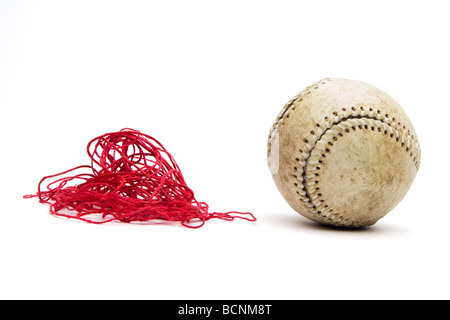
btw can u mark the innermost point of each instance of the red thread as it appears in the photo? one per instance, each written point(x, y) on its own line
point(133, 178)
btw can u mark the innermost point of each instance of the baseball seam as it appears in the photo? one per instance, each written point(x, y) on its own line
point(290, 106)
point(309, 172)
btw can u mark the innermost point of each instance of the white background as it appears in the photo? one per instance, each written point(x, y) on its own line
point(207, 78)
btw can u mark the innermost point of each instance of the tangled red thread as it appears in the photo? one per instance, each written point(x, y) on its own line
point(133, 179)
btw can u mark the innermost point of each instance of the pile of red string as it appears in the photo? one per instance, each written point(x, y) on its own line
point(132, 178)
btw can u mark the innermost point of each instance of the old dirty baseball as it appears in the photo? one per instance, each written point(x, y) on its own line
point(343, 153)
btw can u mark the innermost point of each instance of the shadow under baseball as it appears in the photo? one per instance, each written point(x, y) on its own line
point(296, 221)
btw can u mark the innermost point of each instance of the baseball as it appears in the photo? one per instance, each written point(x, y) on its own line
point(343, 153)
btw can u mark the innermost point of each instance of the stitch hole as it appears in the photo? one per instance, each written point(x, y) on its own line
point(353, 109)
point(335, 113)
point(347, 130)
point(340, 135)
point(297, 159)
point(318, 168)
point(320, 161)
point(319, 195)
point(410, 154)
point(391, 135)
point(323, 155)
point(305, 141)
point(353, 127)
point(343, 109)
point(316, 174)
point(330, 143)
point(312, 132)
point(295, 168)
point(327, 150)
point(386, 115)
point(317, 125)
point(370, 109)
point(407, 149)
point(295, 184)
point(362, 108)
